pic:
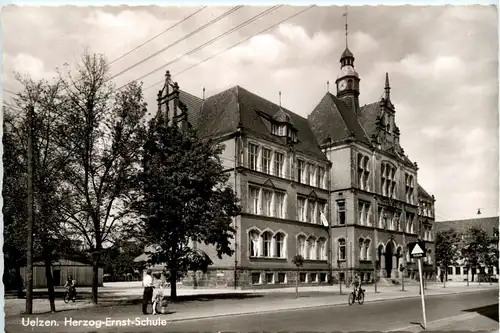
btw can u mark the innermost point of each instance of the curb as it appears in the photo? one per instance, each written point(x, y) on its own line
point(246, 313)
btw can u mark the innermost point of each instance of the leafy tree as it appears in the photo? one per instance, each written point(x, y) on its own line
point(118, 259)
point(184, 198)
point(491, 256)
point(37, 115)
point(102, 128)
point(447, 251)
point(474, 247)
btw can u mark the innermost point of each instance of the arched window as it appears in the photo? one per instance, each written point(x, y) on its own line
point(388, 180)
point(301, 245)
point(254, 243)
point(361, 243)
point(367, 249)
point(280, 245)
point(266, 243)
point(341, 249)
point(311, 248)
point(321, 249)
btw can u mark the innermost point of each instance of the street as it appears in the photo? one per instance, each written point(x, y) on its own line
point(400, 314)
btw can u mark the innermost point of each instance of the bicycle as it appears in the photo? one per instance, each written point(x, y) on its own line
point(69, 295)
point(360, 297)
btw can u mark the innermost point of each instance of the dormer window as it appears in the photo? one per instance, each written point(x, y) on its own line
point(278, 129)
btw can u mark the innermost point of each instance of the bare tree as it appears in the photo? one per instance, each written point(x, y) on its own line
point(103, 128)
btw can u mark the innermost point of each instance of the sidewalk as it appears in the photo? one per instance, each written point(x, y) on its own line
point(209, 303)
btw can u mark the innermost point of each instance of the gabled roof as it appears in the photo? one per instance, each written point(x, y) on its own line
point(193, 105)
point(422, 193)
point(332, 119)
point(224, 112)
point(485, 223)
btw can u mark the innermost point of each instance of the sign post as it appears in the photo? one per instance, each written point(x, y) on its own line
point(417, 250)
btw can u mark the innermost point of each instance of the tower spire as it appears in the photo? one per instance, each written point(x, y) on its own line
point(346, 33)
point(387, 87)
point(280, 97)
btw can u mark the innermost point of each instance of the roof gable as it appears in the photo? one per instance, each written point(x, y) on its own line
point(332, 119)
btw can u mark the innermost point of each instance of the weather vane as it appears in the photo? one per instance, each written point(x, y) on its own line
point(345, 15)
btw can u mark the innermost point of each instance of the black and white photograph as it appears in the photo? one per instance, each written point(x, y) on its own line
point(226, 167)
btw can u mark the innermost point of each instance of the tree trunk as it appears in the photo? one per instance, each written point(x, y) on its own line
point(297, 284)
point(19, 282)
point(50, 283)
point(95, 279)
point(173, 284)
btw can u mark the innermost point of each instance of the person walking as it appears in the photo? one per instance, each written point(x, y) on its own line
point(147, 283)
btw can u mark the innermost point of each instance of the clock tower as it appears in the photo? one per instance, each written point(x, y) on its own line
point(348, 80)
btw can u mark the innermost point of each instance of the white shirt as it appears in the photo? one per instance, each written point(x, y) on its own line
point(147, 281)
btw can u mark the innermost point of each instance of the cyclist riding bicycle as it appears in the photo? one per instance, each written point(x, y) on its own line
point(356, 284)
point(71, 285)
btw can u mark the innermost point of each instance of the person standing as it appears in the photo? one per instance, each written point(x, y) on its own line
point(147, 283)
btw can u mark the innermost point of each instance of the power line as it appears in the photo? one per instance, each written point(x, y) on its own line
point(158, 35)
point(229, 12)
point(267, 11)
point(239, 43)
point(10, 92)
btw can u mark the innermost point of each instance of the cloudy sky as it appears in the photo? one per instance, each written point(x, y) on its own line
point(442, 62)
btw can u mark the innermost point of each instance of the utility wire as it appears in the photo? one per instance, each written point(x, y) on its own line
point(229, 48)
point(158, 35)
point(267, 11)
point(229, 12)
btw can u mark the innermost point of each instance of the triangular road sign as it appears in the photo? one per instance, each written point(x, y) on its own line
point(417, 250)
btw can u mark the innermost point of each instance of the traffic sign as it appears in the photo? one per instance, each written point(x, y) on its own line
point(417, 249)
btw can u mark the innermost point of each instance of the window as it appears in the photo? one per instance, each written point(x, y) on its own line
point(301, 211)
point(254, 243)
point(314, 277)
point(342, 250)
point(266, 160)
point(361, 244)
point(281, 277)
point(303, 277)
point(267, 197)
point(311, 248)
point(253, 153)
point(320, 174)
point(279, 159)
point(388, 176)
point(266, 242)
point(321, 249)
point(363, 212)
point(310, 211)
point(300, 171)
point(450, 270)
point(367, 252)
point(457, 270)
point(409, 188)
point(279, 202)
point(363, 172)
point(310, 174)
point(278, 130)
point(301, 248)
point(320, 209)
point(341, 212)
point(323, 277)
point(409, 223)
point(382, 218)
point(280, 245)
point(255, 278)
point(254, 200)
point(269, 278)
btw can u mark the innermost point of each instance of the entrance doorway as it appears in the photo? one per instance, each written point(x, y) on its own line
point(389, 253)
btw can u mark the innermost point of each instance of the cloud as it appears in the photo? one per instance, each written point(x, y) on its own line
point(25, 64)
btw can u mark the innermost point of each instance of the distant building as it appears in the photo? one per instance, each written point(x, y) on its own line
point(460, 273)
point(80, 269)
point(344, 162)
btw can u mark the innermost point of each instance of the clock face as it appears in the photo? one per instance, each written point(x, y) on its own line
point(342, 85)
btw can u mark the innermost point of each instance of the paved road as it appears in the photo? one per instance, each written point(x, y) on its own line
point(377, 316)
